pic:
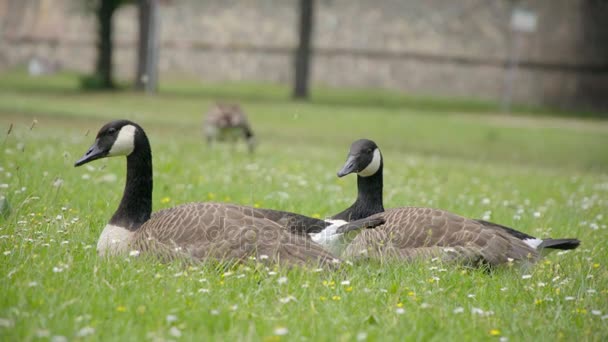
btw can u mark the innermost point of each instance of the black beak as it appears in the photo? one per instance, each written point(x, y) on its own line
point(93, 153)
point(350, 166)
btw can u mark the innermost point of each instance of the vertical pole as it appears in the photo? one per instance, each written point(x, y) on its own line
point(148, 46)
point(303, 52)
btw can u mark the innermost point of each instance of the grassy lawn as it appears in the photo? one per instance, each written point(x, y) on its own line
point(544, 175)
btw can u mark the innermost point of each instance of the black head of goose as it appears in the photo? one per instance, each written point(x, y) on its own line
point(197, 231)
point(411, 232)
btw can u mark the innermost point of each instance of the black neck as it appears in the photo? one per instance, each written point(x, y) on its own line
point(369, 198)
point(136, 205)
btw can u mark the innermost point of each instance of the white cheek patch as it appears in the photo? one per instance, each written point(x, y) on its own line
point(125, 142)
point(373, 166)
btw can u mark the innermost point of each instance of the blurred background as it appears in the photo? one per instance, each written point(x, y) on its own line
point(550, 53)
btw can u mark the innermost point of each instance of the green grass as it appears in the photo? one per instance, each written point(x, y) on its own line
point(543, 175)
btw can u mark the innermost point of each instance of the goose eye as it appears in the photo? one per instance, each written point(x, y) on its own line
point(111, 130)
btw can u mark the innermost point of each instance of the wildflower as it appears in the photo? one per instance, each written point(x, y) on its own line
point(400, 311)
point(526, 276)
point(280, 331)
point(121, 308)
point(348, 289)
point(165, 200)
point(282, 280)
point(6, 323)
point(287, 299)
point(494, 332)
point(171, 318)
point(86, 331)
point(134, 253)
point(175, 332)
point(336, 298)
point(458, 310)
point(596, 312)
point(361, 336)
point(345, 282)
point(214, 312)
point(316, 215)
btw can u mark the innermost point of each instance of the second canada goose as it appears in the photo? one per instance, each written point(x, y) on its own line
point(410, 232)
point(228, 122)
point(197, 231)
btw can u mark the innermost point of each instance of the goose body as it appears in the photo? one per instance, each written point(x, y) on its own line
point(228, 122)
point(197, 231)
point(413, 232)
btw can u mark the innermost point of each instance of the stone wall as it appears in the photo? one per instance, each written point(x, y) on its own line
point(431, 47)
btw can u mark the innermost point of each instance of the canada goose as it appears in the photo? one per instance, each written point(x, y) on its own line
point(411, 232)
point(228, 122)
point(196, 231)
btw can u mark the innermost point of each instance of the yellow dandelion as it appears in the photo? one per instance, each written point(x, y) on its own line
point(336, 298)
point(538, 301)
point(165, 200)
point(495, 332)
point(121, 308)
point(596, 265)
point(316, 215)
point(210, 195)
point(256, 205)
point(323, 298)
point(227, 199)
point(349, 289)
point(399, 305)
point(411, 294)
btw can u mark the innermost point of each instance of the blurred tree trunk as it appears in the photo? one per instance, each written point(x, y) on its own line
point(147, 50)
point(104, 12)
point(303, 53)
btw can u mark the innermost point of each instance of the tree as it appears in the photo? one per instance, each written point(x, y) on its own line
point(104, 11)
point(303, 52)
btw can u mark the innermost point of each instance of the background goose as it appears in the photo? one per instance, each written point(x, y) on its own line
point(196, 230)
point(411, 232)
point(228, 122)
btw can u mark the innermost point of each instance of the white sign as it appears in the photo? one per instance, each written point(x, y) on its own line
point(523, 20)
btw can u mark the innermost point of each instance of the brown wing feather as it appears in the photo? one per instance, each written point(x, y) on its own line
point(412, 232)
point(224, 232)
